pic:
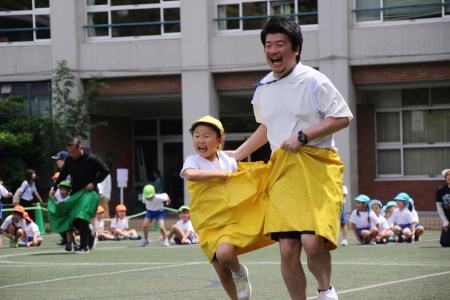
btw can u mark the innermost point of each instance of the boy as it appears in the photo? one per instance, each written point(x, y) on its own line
point(154, 203)
point(62, 196)
point(33, 233)
point(14, 227)
point(183, 229)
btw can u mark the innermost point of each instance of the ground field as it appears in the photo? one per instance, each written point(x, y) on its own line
point(123, 270)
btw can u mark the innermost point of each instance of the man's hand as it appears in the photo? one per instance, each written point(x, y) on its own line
point(445, 227)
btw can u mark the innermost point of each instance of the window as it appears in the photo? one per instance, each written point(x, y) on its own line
point(132, 18)
point(412, 131)
point(24, 21)
point(397, 10)
point(242, 15)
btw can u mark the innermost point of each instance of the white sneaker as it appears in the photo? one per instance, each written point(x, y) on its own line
point(144, 242)
point(344, 243)
point(329, 294)
point(166, 242)
point(243, 286)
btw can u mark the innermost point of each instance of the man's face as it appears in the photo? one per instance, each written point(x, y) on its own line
point(75, 152)
point(279, 55)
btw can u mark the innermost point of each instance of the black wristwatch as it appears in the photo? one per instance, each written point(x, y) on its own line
point(302, 138)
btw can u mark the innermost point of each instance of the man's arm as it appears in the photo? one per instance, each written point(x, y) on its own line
point(253, 143)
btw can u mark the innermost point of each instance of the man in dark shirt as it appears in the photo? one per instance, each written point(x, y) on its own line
point(443, 208)
point(86, 170)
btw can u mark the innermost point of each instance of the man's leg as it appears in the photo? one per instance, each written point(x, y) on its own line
point(291, 268)
point(84, 231)
point(318, 258)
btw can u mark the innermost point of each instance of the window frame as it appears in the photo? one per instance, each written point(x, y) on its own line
point(381, 10)
point(34, 12)
point(400, 145)
point(242, 18)
point(108, 8)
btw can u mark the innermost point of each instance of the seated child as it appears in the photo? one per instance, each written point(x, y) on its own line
point(119, 225)
point(364, 221)
point(419, 228)
point(183, 230)
point(33, 233)
point(99, 226)
point(385, 230)
point(404, 224)
point(14, 227)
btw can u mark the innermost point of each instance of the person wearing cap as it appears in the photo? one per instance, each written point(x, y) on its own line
point(212, 163)
point(86, 170)
point(14, 227)
point(28, 190)
point(364, 221)
point(385, 231)
point(119, 225)
point(60, 158)
point(99, 225)
point(299, 109)
point(154, 206)
point(388, 210)
point(404, 225)
point(183, 229)
point(419, 227)
point(33, 233)
point(443, 208)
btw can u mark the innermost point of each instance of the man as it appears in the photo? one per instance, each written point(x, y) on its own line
point(443, 208)
point(86, 170)
point(299, 109)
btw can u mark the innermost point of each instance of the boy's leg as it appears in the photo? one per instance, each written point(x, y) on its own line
point(145, 227)
point(226, 279)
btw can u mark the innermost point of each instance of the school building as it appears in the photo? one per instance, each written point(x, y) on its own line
point(166, 63)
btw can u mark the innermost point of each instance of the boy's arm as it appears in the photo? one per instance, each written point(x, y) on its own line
point(201, 175)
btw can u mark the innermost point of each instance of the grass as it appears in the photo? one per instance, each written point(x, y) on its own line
point(123, 270)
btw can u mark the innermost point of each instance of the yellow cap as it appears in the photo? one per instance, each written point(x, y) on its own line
point(209, 120)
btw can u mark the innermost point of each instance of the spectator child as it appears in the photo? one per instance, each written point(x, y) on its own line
point(385, 231)
point(344, 218)
point(387, 212)
point(99, 226)
point(14, 227)
point(183, 230)
point(3, 194)
point(404, 224)
point(33, 233)
point(419, 228)
point(28, 191)
point(364, 221)
point(154, 204)
point(119, 225)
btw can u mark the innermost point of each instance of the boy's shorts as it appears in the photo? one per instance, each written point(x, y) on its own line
point(359, 230)
point(178, 240)
point(403, 226)
point(158, 215)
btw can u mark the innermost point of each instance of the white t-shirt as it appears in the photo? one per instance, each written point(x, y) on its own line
point(199, 163)
point(31, 229)
point(60, 198)
point(302, 99)
point(185, 226)
point(99, 224)
point(361, 220)
point(117, 223)
point(9, 220)
point(415, 216)
point(3, 191)
point(384, 225)
point(402, 217)
point(157, 202)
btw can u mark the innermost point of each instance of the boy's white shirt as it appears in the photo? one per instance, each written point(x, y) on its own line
point(186, 226)
point(9, 220)
point(383, 223)
point(31, 229)
point(119, 223)
point(361, 220)
point(199, 163)
point(157, 203)
point(415, 216)
point(99, 224)
point(402, 217)
point(60, 198)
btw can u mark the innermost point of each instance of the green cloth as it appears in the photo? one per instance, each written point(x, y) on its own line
point(82, 205)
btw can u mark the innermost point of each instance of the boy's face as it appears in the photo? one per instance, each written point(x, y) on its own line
point(206, 142)
point(121, 213)
point(184, 215)
point(376, 208)
point(17, 217)
point(100, 215)
point(63, 190)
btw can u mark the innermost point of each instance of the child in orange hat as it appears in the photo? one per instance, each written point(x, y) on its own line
point(14, 227)
point(119, 225)
point(33, 233)
point(99, 225)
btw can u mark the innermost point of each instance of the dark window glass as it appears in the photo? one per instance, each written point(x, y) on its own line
point(145, 127)
point(254, 9)
point(133, 2)
point(17, 22)
point(42, 4)
point(414, 97)
point(8, 5)
point(172, 14)
point(228, 11)
point(98, 18)
point(171, 127)
point(136, 16)
point(43, 21)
